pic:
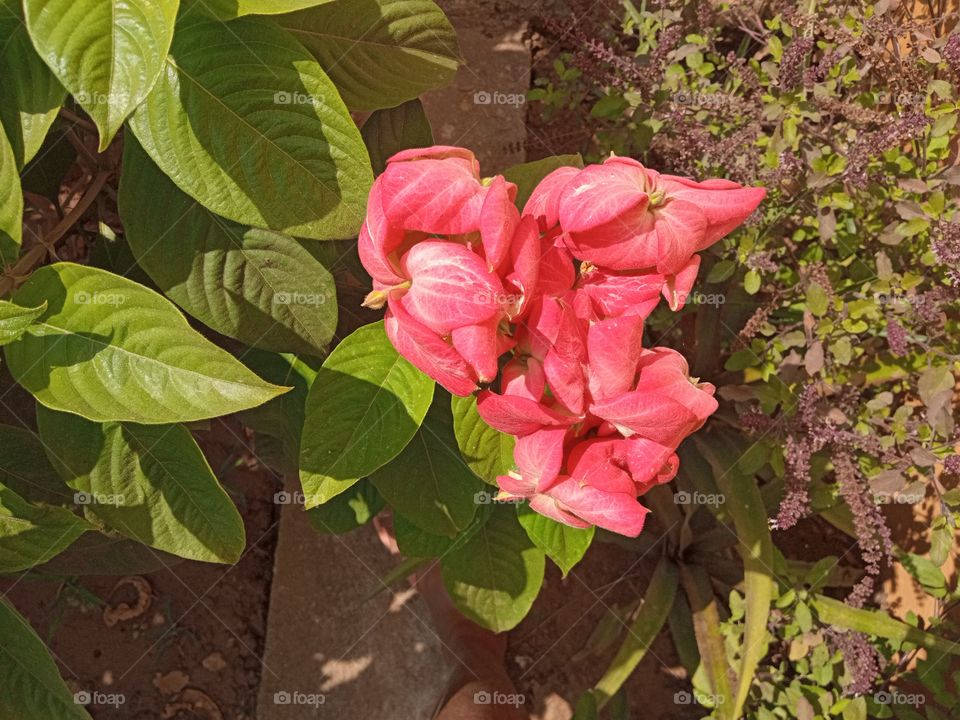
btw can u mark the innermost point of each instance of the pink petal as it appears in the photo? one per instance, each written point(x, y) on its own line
point(548, 507)
point(654, 416)
point(680, 226)
point(677, 287)
point(601, 463)
point(437, 196)
point(650, 463)
point(525, 258)
point(428, 352)
point(543, 203)
point(539, 456)
point(629, 242)
point(615, 294)
point(725, 204)
point(518, 415)
point(663, 370)
point(499, 219)
point(516, 487)
point(450, 287)
point(557, 273)
point(378, 240)
point(438, 152)
point(602, 194)
point(523, 377)
point(613, 348)
point(477, 344)
point(616, 512)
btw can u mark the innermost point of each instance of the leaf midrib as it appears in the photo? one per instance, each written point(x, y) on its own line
point(124, 351)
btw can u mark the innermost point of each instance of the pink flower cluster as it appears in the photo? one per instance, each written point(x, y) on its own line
point(469, 279)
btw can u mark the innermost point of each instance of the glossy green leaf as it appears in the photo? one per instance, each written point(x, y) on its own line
point(229, 9)
point(150, 483)
point(563, 544)
point(30, 535)
point(428, 482)
point(387, 132)
point(527, 175)
point(11, 205)
point(365, 405)
point(495, 576)
point(30, 684)
point(109, 349)
point(14, 320)
point(272, 146)
point(30, 95)
point(379, 53)
point(417, 543)
point(880, 624)
point(24, 468)
point(488, 452)
point(256, 286)
point(108, 54)
point(650, 619)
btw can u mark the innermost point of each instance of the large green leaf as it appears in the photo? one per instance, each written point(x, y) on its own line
point(30, 95)
point(428, 482)
point(11, 204)
point(488, 452)
point(107, 53)
point(706, 626)
point(365, 405)
point(24, 468)
point(150, 483)
point(379, 53)
point(495, 576)
point(14, 320)
point(30, 686)
point(563, 544)
point(229, 9)
point(30, 534)
point(642, 632)
point(257, 286)
point(387, 132)
point(269, 145)
point(109, 349)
